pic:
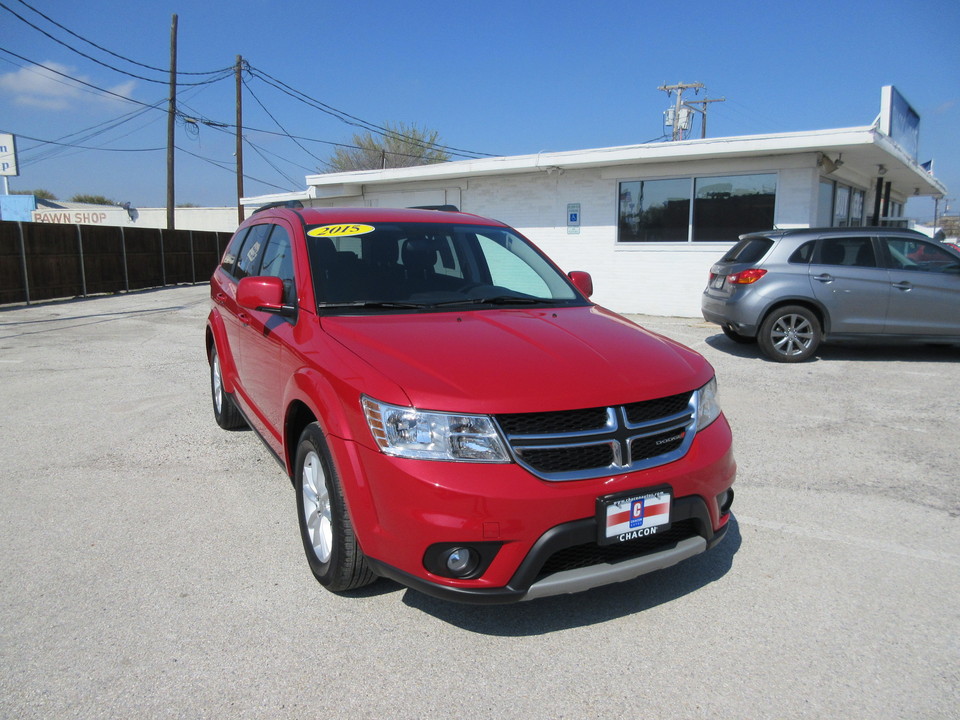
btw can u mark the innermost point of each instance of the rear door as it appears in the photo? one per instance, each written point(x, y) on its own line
point(850, 283)
point(925, 287)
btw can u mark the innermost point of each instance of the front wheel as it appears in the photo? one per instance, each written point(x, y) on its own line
point(329, 541)
point(224, 411)
point(790, 334)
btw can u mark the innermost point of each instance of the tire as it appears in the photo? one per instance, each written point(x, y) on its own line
point(224, 410)
point(737, 337)
point(329, 541)
point(790, 334)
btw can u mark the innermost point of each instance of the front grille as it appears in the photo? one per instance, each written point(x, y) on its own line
point(553, 423)
point(555, 460)
point(593, 442)
point(581, 556)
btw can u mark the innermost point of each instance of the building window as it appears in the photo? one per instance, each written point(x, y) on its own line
point(839, 205)
point(703, 209)
point(655, 210)
point(856, 208)
point(727, 207)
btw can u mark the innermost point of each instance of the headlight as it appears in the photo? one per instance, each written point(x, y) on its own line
point(708, 409)
point(411, 433)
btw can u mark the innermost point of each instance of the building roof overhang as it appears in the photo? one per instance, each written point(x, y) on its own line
point(863, 150)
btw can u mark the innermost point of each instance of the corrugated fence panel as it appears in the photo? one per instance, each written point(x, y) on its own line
point(144, 257)
point(53, 260)
point(66, 260)
point(103, 259)
point(11, 274)
point(208, 247)
point(176, 256)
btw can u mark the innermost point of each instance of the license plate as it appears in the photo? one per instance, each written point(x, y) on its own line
point(718, 281)
point(633, 515)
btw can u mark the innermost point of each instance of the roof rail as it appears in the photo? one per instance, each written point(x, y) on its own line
point(294, 204)
point(443, 208)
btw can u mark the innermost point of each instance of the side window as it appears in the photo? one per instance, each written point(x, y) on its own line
point(803, 253)
point(233, 248)
point(251, 253)
point(848, 251)
point(278, 262)
point(910, 254)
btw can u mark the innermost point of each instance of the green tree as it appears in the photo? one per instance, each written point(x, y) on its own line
point(92, 199)
point(402, 146)
point(39, 192)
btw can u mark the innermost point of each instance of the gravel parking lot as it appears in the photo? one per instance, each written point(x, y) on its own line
point(152, 565)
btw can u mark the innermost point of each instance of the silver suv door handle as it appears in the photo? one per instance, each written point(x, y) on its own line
point(902, 285)
point(824, 277)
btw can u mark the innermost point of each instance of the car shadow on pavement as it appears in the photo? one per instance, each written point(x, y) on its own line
point(595, 606)
point(847, 350)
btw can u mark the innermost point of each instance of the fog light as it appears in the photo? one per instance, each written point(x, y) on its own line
point(461, 561)
point(724, 501)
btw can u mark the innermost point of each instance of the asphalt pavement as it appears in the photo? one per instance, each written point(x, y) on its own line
point(151, 565)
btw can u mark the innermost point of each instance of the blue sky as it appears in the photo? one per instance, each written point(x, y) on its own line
point(498, 77)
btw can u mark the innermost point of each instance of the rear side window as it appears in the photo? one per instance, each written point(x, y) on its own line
point(848, 251)
point(748, 250)
point(804, 253)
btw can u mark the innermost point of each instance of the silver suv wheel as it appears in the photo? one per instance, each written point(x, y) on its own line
point(790, 334)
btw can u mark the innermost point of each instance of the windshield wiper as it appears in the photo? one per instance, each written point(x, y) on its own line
point(370, 305)
point(497, 300)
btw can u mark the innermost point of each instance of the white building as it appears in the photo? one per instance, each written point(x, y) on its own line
point(648, 221)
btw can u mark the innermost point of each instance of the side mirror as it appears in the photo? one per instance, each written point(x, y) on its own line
point(262, 293)
point(582, 281)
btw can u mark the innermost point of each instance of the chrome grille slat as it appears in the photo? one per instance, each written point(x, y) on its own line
point(596, 442)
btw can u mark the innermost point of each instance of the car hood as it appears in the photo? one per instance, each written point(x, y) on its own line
point(519, 360)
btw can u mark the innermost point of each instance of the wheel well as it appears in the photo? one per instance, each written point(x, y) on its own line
point(298, 417)
point(812, 307)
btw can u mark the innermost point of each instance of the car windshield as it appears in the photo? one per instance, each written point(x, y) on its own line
point(426, 266)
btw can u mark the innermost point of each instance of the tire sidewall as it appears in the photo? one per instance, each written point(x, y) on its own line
point(312, 439)
point(228, 417)
point(765, 336)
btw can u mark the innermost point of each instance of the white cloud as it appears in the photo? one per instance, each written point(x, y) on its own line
point(39, 87)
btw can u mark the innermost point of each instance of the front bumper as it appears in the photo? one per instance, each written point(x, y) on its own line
point(691, 534)
point(403, 508)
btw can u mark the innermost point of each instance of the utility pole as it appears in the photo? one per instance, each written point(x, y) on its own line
point(679, 115)
point(239, 139)
point(676, 115)
point(703, 112)
point(171, 125)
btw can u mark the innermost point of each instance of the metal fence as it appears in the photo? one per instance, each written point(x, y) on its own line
point(43, 261)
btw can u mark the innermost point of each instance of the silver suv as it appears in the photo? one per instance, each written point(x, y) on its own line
point(789, 290)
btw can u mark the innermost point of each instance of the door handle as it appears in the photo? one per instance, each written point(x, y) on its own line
point(903, 285)
point(824, 277)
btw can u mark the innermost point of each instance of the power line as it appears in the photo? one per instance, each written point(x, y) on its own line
point(260, 103)
point(76, 80)
point(111, 52)
point(83, 147)
point(99, 62)
point(349, 119)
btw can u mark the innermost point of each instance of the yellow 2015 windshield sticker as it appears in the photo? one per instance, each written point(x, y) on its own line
point(340, 230)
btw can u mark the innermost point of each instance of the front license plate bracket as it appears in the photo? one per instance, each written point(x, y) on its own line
point(633, 515)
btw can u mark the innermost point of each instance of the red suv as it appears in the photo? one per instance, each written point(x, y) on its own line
point(455, 414)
